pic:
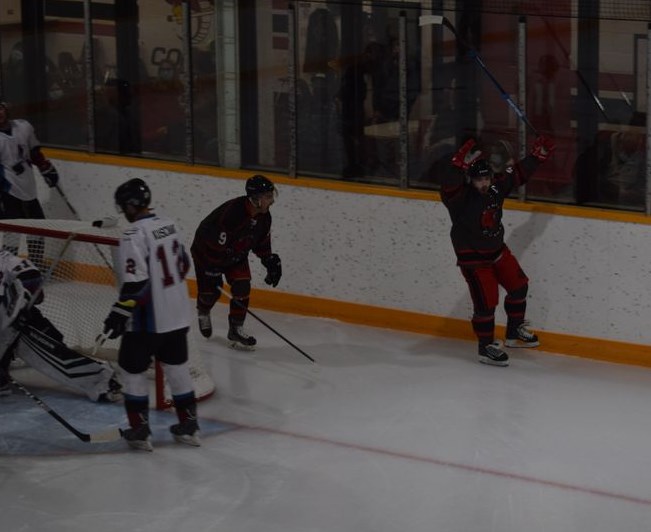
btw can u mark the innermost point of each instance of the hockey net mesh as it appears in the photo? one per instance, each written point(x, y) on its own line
point(79, 292)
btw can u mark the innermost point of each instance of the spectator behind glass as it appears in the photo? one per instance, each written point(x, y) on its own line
point(612, 170)
point(163, 118)
point(350, 101)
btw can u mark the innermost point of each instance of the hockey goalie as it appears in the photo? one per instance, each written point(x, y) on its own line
point(25, 333)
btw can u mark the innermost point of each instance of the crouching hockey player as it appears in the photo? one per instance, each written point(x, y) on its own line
point(26, 334)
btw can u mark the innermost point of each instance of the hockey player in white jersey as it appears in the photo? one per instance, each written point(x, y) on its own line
point(26, 334)
point(19, 150)
point(152, 315)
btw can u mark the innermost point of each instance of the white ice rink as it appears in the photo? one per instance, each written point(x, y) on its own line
point(387, 432)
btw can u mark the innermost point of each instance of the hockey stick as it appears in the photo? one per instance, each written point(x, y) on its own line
point(584, 82)
point(426, 20)
point(237, 302)
point(111, 435)
point(99, 437)
point(76, 215)
point(99, 342)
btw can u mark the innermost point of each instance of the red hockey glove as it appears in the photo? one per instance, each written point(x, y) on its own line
point(466, 155)
point(542, 148)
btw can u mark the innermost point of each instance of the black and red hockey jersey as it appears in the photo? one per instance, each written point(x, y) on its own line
point(227, 235)
point(477, 232)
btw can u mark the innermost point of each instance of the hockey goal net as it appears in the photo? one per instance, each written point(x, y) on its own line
point(82, 287)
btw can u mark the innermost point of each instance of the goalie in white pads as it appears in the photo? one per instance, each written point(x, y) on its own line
point(152, 315)
point(27, 334)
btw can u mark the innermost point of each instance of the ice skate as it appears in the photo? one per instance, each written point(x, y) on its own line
point(113, 394)
point(493, 355)
point(521, 336)
point(139, 438)
point(186, 432)
point(205, 325)
point(240, 339)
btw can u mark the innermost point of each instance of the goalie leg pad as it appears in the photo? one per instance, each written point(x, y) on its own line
point(63, 365)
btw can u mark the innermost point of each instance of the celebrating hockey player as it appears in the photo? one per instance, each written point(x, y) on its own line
point(27, 334)
point(474, 196)
point(152, 315)
point(221, 248)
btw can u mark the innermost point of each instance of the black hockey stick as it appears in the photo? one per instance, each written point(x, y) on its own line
point(229, 296)
point(426, 20)
point(99, 437)
point(584, 82)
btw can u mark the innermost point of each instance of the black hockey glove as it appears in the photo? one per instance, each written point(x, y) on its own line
point(50, 175)
point(274, 269)
point(22, 320)
point(116, 322)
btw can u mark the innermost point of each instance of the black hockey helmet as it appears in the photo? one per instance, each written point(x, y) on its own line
point(258, 184)
point(134, 192)
point(479, 169)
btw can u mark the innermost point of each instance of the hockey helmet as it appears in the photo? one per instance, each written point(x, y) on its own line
point(258, 184)
point(134, 192)
point(480, 169)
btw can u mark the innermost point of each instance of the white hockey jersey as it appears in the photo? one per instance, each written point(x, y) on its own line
point(152, 250)
point(15, 149)
point(13, 296)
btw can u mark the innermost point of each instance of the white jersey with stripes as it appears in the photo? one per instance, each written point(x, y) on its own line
point(152, 250)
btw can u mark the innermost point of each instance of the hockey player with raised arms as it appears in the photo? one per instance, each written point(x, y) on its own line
point(474, 196)
point(26, 334)
point(221, 249)
point(152, 315)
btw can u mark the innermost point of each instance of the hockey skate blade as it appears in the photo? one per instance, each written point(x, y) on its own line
point(515, 343)
point(490, 362)
point(188, 439)
point(237, 346)
point(140, 445)
point(428, 20)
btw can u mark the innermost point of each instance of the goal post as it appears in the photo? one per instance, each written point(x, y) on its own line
point(82, 288)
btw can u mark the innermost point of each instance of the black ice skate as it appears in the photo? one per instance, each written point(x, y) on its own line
point(186, 432)
point(239, 339)
point(138, 438)
point(205, 325)
point(493, 355)
point(521, 336)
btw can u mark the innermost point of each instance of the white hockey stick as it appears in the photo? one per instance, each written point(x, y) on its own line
point(99, 342)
